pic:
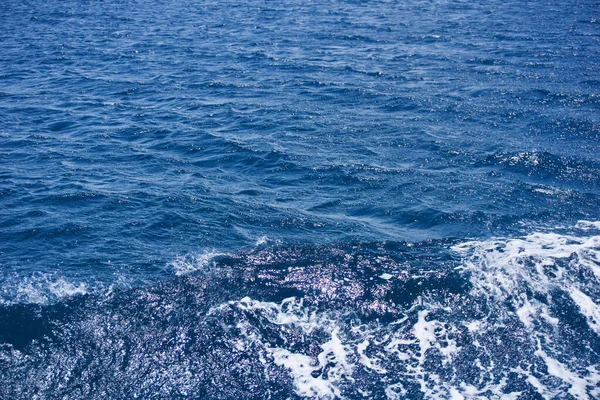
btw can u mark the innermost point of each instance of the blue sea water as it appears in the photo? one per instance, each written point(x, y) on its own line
point(299, 199)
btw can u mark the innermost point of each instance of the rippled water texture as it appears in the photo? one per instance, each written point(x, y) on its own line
point(326, 199)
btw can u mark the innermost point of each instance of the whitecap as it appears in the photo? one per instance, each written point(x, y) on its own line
point(188, 264)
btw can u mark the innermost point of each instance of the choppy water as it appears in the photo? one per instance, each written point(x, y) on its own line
point(268, 199)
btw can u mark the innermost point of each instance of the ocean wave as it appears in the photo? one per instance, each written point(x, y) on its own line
point(41, 288)
point(188, 264)
point(547, 166)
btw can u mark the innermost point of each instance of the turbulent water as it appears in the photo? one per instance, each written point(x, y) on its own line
point(299, 199)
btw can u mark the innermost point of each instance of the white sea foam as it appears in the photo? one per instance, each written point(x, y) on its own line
point(578, 385)
point(369, 348)
point(526, 272)
point(417, 352)
point(369, 362)
point(261, 240)
point(191, 263)
point(550, 191)
point(406, 346)
point(588, 225)
point(40, 289)
point(588, 308)
point(506, 268)
point(395, 391)
point(301, 368)
point(292, 314)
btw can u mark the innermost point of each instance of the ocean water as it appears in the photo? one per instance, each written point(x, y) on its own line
point(299, 199)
